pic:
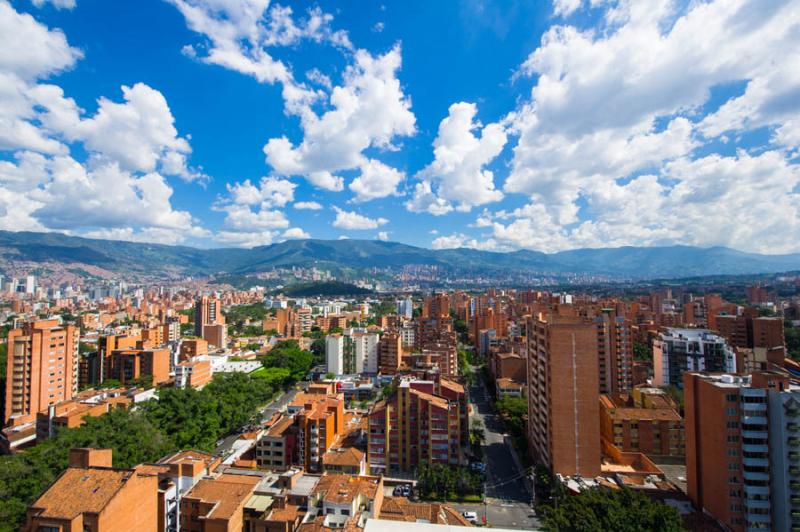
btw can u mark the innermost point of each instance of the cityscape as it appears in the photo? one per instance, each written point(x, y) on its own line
point(320, 266)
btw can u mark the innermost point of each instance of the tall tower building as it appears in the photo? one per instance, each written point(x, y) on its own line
point(41, 369)
point(207, 311)
point(563, 383)
point(615, 352)
point(743, 449)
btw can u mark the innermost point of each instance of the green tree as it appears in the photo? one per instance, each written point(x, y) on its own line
point(287, 354)
point(600, 509)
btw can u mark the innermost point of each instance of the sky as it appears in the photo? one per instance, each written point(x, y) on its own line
point(496, 125)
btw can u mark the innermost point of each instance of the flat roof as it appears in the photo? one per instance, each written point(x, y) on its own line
point(385, 525)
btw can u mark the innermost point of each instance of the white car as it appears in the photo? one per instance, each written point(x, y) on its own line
point(472, 517)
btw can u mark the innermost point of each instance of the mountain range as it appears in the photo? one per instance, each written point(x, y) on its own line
point(122, 257)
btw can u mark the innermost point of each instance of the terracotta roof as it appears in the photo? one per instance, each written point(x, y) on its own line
point(401, 509)
point(287, 514)
point(506, 383)
point(79, 491)
point(279, 427)
point(345, 456)
point(229, 492)
point(339, 489)
point(644, 414)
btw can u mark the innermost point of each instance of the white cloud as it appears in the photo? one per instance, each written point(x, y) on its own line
point(270, 192)
point(743, 201)
point(240, 34)
point(307, 205)
point(564, 8)
point(58, 4)
point(376, 180)
point(460, 240)
point(295, 232)
point(368, 111)
point(616, 109)
point(119, 190)
point(424, 200)
point(353, 221)
point(30, 50)
point(382, 235)
point(460, 157)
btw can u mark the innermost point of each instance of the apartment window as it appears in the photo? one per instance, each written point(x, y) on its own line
point(731, 398)
point(732, 411)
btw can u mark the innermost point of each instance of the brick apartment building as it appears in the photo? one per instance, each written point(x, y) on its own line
point(419, 423)
point(93, 496)
point(41, 368)
point(743, 449)
point(127, 364)
point(563, 421)
point(647, 421)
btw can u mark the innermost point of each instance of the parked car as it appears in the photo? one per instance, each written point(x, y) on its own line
point(406, 490)
point(398, 491)
point(478, 466)
point(472, 517)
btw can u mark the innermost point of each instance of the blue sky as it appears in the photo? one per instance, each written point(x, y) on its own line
point(496, 125)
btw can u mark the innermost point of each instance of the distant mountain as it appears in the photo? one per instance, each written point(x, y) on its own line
point(162, 260)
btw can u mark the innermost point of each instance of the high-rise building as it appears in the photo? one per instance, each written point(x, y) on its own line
point(677, 351)
point(30, 284)
point(365, 349)
point(563, 382)
point(743, 449)
point(416, 425)
point(405, 308)
point(207, 311)
point(615, 352)
point(390, 352)
point(41, 370)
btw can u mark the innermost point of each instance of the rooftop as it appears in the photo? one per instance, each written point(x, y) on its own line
point(80, 490)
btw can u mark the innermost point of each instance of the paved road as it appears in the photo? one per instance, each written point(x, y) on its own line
point(267, 411)
point(507, 499)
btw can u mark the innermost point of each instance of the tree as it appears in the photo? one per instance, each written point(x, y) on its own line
point(642, 352)
point(513, 411)
point(601, 509)
point(287, 354)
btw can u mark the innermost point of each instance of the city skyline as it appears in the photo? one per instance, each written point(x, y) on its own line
point(543, 126)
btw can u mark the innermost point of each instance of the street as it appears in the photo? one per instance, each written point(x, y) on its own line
point(267, 411)
point(507, 499)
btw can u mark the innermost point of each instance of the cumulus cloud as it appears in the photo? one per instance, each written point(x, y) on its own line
point(352, 221)
point(369, 110)
point(460, 157)
point(382, 235)
point(308, 205)
point(119, 189)
point(376, 180)
point(611, 133)
point(460, 240)
point(270, 192)
point(424, 200)
point(240, 34)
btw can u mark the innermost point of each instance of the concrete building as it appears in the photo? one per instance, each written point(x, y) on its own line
point(335, 353)
point(743, 449)
point(194, 373)
point(677, 351)
point(365, 350)
point(563, 421)
point(41, 369)
point(207, 311)
point(405, 308)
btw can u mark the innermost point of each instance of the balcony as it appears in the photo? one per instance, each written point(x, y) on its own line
point(753, 448)
point(755, 435)
point(794, 442)
point(755, 475)
point(755, 420)
point(755, 462)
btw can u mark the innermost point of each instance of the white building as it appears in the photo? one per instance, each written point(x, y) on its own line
point(334, 353)
point(366, 352)
point(680, 350)
point(405, 308)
